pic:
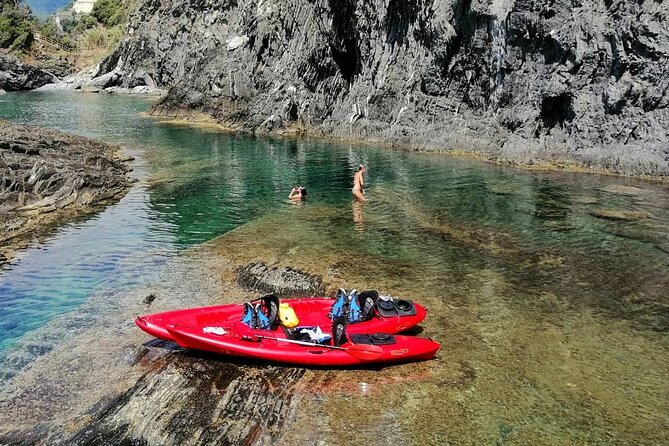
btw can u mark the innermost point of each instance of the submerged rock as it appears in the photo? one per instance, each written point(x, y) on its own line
point(585, 199)
point(625, 190)
point(281, 281)
point(612, 214)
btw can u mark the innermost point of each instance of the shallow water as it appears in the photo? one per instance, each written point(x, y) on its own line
point(547, 289)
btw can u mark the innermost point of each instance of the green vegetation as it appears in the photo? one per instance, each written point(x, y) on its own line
point(100, 37)
point(103, 28)
point(17, 25)
point(79, 39)
point(109, 12)
point(99, 31)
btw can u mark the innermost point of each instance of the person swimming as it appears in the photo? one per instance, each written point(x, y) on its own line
point(359, 183)
point(298, 193)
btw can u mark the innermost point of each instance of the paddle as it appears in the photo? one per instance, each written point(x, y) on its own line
point(360, 351)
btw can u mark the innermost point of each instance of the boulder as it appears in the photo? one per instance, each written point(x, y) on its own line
point(281, 281)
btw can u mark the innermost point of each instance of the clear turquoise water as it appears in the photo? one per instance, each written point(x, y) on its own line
point(553, 320)
point(207, 183)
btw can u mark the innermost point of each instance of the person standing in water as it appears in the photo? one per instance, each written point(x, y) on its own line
point(359, 183)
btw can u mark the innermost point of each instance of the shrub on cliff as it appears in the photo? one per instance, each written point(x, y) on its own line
point(76, 24)
point(100, 37)
point(16, 25)
point(109, 12)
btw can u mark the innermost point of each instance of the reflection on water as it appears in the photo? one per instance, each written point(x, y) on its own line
point(548, 289)
point(357, 215)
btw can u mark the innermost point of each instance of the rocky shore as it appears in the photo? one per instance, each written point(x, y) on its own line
point(49, 178)
point(16, 75)
point(518, 81)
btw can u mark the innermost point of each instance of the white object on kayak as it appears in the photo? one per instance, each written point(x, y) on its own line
point(214, 330)
point(316, 334)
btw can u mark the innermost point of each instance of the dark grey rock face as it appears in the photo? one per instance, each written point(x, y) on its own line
point(16, 76)
point(523, 81)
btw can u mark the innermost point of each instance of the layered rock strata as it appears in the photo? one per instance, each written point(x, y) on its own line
point(16, 75)
point(523, 81)
point(49, 177)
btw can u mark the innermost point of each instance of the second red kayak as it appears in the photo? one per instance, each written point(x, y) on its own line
point(355, 350)
point(389, 316)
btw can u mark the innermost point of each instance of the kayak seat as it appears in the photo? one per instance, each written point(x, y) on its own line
point(373, 339)
point(367, 301)
point(389, 307)
point(339, 331)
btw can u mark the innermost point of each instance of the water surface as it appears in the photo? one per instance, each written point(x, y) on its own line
point(548, 289)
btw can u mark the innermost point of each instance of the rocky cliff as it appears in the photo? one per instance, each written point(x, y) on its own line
point(562, 81)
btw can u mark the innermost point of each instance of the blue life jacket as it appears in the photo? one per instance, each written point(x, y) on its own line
point(263, 321)
point(249, 316)
point(354, 310)
point(339, 306)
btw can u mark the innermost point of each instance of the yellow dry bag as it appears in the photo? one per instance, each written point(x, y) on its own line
point(287, 316)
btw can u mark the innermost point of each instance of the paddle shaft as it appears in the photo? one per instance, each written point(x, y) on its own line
point(293, 341)
point(360, 351)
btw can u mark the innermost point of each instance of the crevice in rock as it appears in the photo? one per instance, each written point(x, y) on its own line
point(557, 110)
point(344, 44)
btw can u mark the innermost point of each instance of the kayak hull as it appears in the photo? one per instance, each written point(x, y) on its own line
point(240, 341)
point(219, 329)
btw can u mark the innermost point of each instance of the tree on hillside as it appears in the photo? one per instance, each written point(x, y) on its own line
point(17, 25)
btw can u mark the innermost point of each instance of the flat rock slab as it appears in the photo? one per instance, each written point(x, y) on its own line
point(195, 399)
point(50, 177)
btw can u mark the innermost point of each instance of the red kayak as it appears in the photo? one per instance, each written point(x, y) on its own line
point(391, 316)
point(320, 334)
point(357, 349)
